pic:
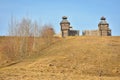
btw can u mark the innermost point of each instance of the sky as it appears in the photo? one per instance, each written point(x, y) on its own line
point(82, 14)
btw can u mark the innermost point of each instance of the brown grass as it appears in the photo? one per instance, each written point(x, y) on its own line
point(72, 58)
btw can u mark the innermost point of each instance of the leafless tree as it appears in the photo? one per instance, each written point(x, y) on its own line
point(20, 32)
point(47, 33)
point(26, 36)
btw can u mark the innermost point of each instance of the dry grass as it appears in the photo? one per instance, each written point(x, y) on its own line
point(72, 58)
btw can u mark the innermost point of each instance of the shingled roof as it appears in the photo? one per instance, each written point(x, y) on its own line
point(64, 20)
point(103, 21)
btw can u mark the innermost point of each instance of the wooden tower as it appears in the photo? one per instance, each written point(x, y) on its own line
point(104, 27)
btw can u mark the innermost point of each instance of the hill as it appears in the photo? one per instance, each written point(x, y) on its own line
point(71, 58)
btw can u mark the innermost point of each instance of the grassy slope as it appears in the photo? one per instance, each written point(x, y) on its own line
point(72, 58)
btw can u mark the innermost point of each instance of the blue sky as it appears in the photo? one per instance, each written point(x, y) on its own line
point(83, 14)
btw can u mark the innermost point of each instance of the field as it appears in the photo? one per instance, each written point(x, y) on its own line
point(71, 58)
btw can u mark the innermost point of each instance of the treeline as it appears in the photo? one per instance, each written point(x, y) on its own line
point(27, 38)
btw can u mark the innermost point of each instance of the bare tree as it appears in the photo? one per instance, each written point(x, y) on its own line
point(35, 34)
point(26, 37)
point(20, 31)
point(47, 33)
